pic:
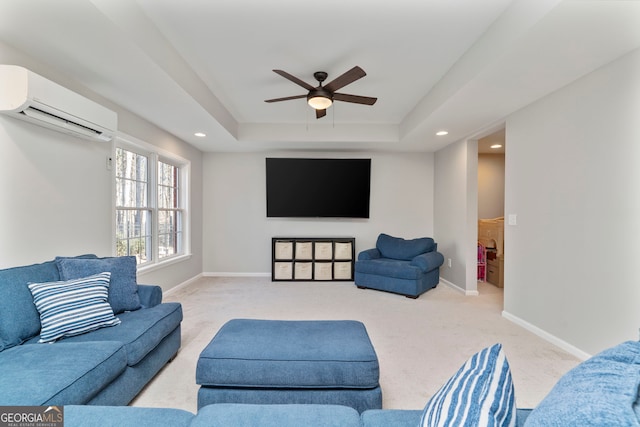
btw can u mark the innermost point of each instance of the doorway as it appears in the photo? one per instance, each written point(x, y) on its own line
point(491, 189)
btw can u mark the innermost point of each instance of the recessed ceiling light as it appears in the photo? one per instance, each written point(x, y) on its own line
point(442, 133)
point(200, 134)
point(496, 146)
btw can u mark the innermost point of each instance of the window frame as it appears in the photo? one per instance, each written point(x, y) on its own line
point(154, 155)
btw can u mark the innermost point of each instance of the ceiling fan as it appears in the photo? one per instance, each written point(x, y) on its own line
point(320, 98)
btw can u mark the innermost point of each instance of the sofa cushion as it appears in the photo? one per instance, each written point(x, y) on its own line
point(598, 392)
point(234, 415)
point(391, 417)
point(399, 248)
point(123, 290)
point(73, 307)
point(389, 268)
point(19, 319)
point(140, 331)
point(480, 393)
point(411, 418)
point(125, 416)
point(59, 374)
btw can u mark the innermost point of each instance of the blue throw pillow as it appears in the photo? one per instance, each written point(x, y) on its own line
point(19, 319)
point(123, 290)
point(481, 393)
point(73, 307)
point(403, 249)
point(600, 391)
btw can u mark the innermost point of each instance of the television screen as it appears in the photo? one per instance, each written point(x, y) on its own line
point(302, 187)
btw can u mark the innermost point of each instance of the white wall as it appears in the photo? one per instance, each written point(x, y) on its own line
point(51, 195)
point(573, 179)
point(456, 212)
point(490, 185)
point(237, 233)
point(55, 189)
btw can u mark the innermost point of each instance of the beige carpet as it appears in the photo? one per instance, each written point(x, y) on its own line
point(419, 343)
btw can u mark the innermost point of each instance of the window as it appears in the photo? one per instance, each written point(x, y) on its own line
point(150, 210)
point(133, 216)
point(169, 212)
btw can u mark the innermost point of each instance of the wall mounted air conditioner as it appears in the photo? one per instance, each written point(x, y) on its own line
point(29, 96)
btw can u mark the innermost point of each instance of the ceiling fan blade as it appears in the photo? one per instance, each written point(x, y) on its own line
point(320, 113)
point(294, 79)
point(286, 98)
point(349, 77)
point(356, 99)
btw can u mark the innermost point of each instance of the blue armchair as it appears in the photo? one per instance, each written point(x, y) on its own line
point(406, 267)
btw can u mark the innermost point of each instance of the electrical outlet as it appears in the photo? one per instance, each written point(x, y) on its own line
point(449, 262)
point(109, 163)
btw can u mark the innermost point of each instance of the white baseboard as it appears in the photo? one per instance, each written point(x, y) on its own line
point(547, 336)
point(182, 285)
point(230, 274)
point(459, 289)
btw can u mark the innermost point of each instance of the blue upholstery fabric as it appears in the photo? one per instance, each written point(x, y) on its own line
point(237, 415)
point(411, 418)
point(601, 391)
point(358, 399)
point(410, 287)
point(391, 268)
point(124, 388)
point(123, 290)
point(407, 267)
point(124, 416)
point(391, 417)
point(19, 319)
point(368, 254)
point(58, 374)
point(428, 261)
point(140, 331)
point(86, 369)
point(150, 295)
point(300, 354)
point(399, 248)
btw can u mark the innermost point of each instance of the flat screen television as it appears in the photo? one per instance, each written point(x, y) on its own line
point(313, 188)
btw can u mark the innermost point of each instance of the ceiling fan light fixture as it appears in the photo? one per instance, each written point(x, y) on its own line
point(319, 102)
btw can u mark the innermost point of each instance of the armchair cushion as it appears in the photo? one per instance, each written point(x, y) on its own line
point(402, 249)
point(428, 261)
point(369, 254)
point(386, 267)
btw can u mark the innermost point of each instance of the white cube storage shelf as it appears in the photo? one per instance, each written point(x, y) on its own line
point(312, 259)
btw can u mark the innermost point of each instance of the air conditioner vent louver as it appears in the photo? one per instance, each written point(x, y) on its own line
point(28, 96)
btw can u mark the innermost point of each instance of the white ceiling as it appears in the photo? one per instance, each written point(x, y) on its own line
point(206, 65)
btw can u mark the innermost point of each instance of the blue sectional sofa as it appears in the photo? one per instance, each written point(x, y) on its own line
point(243, 415)
point(602, 391)
point(104, 366)
point(406, 267)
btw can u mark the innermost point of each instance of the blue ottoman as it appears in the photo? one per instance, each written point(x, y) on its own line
point(284, 362)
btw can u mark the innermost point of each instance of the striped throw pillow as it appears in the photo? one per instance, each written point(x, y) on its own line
point(73, 307)
point(481, 393)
